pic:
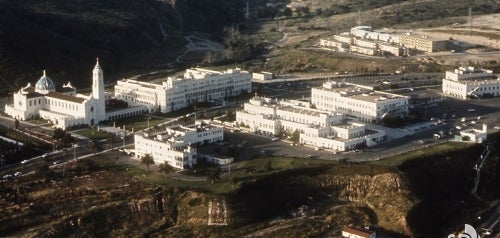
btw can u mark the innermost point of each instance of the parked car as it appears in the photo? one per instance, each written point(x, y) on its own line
point(18, 174)
point(275, 139)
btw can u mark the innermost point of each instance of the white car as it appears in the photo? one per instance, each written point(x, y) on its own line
point(275, 139)
point(25, 161)
point(18, 174)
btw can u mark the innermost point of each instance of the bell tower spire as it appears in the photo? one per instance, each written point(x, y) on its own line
point(98, 93)
point(97, 81)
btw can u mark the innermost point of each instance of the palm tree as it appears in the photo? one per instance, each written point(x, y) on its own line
point(147, 160)
point(166, 168)
point(213, 174)
point(94, 145)
point(111, 140)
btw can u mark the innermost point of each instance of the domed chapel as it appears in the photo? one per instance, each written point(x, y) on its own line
point(64, 108)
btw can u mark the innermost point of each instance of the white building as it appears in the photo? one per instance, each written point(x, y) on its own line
point(197, 85)
point(393, 49)
point(363, 40)
point(317, 128)
point(175, 145)
point(475, 135)
point(358, 101)
point(64, 108)
point(352, 232)
point(262, 76)
point(471, 82)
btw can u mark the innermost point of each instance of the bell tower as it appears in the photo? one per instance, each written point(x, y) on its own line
point(98, 93)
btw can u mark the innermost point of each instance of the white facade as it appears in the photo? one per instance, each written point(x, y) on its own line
point(358, 101)
point(365, 43)
point(262, 76)
point(317, 128)
point(366, 32)
point(471, 82)
point(363, 50)
point(344, 38)
point(357, 233)
point(363, 40)
point(175, 145)
point(475, 135)
point(393, 49)
point(65, 108)
point(197, 85)
point(333, 44)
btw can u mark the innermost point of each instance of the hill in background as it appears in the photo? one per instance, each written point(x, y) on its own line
point(65, 37)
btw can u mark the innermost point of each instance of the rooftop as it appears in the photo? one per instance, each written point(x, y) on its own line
point(65, 97)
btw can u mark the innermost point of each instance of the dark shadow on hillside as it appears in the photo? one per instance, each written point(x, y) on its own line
point(276, 195)
point(442, 183)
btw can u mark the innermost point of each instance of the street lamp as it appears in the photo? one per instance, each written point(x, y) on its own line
point(74, 151)
point(124, 135)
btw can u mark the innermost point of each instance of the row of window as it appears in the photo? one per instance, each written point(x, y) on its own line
point(56, 103)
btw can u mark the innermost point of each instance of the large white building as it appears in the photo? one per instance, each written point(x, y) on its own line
point(65, 108)
point(362, 40)
point(467, 82)
point(197, 85)
point(175, 145)
point(358, 101)
point(316, 127)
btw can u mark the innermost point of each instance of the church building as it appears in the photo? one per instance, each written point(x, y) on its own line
point(64, 108)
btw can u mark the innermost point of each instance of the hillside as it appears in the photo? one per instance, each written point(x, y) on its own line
point(295, 49)
point(65, 37)
point(423, 197)
point(131, 37)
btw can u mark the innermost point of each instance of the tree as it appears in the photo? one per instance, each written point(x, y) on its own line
point(280, 132)
point(213, 174)
point(85, 164)
point(94, 146)
point(67, 139)
point(111, 140)
point(201, 162)
point(287, 12)
point(295, 137)
point(58, 134)
point(43, 170)
point(269, 166)
point(166, 168)
point(147, 160)
point(303, 11)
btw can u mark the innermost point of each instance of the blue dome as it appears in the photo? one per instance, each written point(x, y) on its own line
point(44, 84)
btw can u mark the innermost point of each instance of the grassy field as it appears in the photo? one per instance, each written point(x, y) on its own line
point(229, 182)
point(441, 149)
point(261, 167)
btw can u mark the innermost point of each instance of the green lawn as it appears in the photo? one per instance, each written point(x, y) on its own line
point(261, 167)
point(138, 123)
point(92, 133)
point(251, 170)
point(444, 148)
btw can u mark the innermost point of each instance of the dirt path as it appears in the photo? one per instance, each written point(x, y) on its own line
point(485, 30)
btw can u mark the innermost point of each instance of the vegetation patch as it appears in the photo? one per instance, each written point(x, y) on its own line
point(440, 150)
